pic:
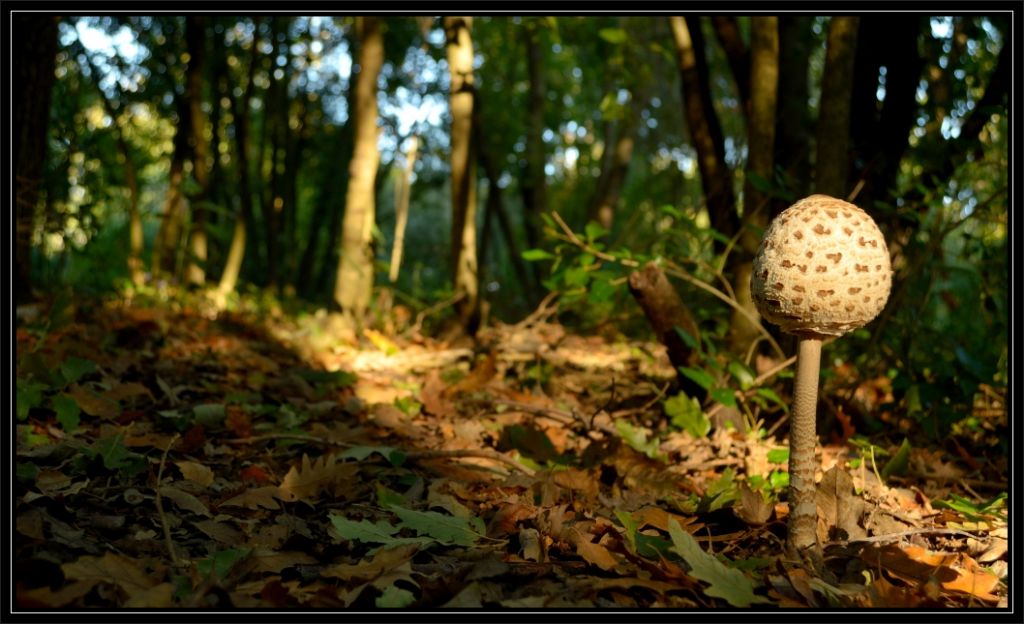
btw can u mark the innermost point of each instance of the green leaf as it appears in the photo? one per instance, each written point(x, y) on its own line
point(613, 35)
point(973, 511)
point(691, 341)
point(29, 394)
point(209, 414)
point(75, 368)
point(359, 453)
point(593, 231)
point(701, 378)
point(684, 413)
point(387, 497)
point(576, 276)
point(68, 412)
point(759, 182)
point(898, 463)
point(332, 379)
point(600, 291)
point(443, 528)
point(534, 255)
point(778, 456)
point(741, 374)
point(636, 438)
point(394, 597)
point(380, 532)
point(770, 394)
point(648, 546)
point(723, 582)
point(725, 396)
point(221, 563)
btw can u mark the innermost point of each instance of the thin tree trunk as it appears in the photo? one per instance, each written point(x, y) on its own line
point(195, 37)
point(168, 240)
point(240, 114)
point(135, 268)
point(764, 81)
point(402, 208)
point(834, 117)
point(534, 183)
point(793, 122)
point(353, 287)
point(615, 168)
point(463, 240)
point(33, 67)
point(705, 129)
point(728, 33)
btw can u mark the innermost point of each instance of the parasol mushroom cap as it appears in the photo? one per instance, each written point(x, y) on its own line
point(822, 268)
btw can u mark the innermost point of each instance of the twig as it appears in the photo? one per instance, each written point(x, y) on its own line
point(483, 453)
point(575, 240)
point(302, 437)
point(418, 325)
point(160, 504)
point(756, 384)
point(901, 534)
point(413, 455)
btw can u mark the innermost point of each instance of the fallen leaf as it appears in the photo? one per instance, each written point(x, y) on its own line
point(307, 483)
point(184, 500)
point(594, 554)
point(194, 471)
point(110, 568)
point(723, 582)
point(94, 404)
point(157, 597)
point(255, 498)
point(753, 507)
point(369, 569)
point(839, 509)
point(254, 474)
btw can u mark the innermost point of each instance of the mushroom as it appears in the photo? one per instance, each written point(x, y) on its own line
point(822, 270)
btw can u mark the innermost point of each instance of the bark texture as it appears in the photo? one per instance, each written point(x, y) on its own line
point(833, 145)
point(33, 65)
point(354, 283)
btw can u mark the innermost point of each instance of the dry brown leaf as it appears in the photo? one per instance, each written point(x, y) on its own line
point(157, 597)
point(127, 390)
point(838, 507)
point(194, 471)
point(531, 546)
point(658, 518)
point(306, 483)
point(256, 498)
point(482, 372)
point(595, 554)
point(266, 560)
point(369, 569)
point(220, 531)
point(94, 404)
point(953, 572)
point(184, 500)
point(45, 597)
point(753, 507)
point(432, 396)
point(110, 568)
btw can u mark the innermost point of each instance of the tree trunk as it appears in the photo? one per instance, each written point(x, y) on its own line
point(402, 198)
point(240, 114)
point(135, 237)
point(880, 137)
point(353, 286)
point(168, 239)
point(705, 130)
point(33, 66)
point(463, 189)
point(195, 37)
point(728, 33)
point(496, 208)
point(534, 182)
point(764, 80)
point(834, 117)
point(615, 167)
point(793, 122)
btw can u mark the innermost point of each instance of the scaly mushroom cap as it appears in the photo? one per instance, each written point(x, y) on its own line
point(822, 268)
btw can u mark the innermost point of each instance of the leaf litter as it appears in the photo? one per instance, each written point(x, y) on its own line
point(171, 458)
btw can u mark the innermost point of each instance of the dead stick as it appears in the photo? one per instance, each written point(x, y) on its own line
point(413, 455)
point(160, 504)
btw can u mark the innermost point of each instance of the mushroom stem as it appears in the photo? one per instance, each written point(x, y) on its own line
point(803, 515)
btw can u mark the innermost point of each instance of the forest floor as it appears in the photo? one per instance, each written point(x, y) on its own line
point(170, 457)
